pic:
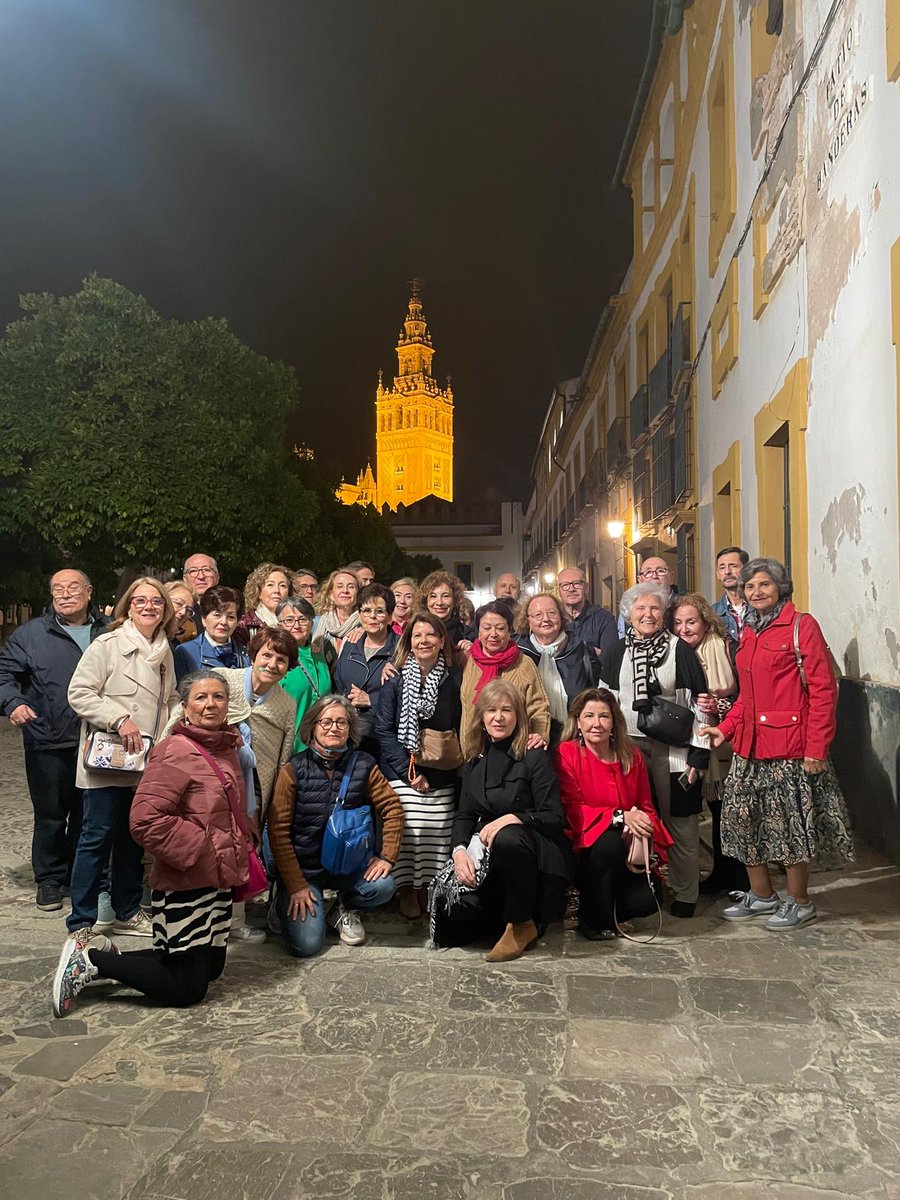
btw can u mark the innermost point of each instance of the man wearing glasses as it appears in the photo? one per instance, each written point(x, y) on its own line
point(36, 665)
point(587, 622)
point(306, 584)
point(655, 570)
point(201, 573)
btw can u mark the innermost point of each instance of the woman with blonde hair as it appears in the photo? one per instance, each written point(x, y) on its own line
point(336, 604)
point(404, 602)
point(442, 595)
point(511, 863)
point(605, 791)
point(695, 622)
point(266, 586)
point(124, 684)
point(184, 604)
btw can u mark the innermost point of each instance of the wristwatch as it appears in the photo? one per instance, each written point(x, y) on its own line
point(618, 818)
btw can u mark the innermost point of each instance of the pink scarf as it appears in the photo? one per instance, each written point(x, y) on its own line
point(492, 664)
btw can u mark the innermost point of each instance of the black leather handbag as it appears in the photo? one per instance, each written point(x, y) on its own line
point(667, 722)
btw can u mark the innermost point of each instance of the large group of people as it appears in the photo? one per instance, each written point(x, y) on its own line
point(327, 744)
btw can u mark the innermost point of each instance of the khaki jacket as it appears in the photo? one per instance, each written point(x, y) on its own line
point(525, 678)
point(118, 677)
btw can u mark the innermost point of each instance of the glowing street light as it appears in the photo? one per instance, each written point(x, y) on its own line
point(549, 577)
point(615, 529)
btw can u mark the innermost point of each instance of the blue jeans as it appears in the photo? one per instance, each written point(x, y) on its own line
point(104, 829)
point(305, 937)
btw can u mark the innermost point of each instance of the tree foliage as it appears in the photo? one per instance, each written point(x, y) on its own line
point(127, 438)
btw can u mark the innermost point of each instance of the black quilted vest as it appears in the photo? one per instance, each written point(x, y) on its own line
point(315, 798)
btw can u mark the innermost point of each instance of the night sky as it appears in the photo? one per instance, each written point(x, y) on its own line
point(290, 165)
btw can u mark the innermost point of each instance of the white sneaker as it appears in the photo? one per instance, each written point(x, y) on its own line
point(139, 925)
point(247, 933)
point(74, 969)
point(750, 906)
point(348, 924)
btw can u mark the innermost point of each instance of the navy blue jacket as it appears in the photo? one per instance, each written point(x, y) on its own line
point(447, 715)
point(36, 667)
point(199, 652)
point(353, 667)
point(315, 797)
point(596, 626)
point(578, 665)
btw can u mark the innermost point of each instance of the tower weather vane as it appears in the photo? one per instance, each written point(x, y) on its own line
point(416, 284)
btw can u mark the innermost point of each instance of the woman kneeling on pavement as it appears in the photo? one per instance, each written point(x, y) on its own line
point(329, 772)
point(183, 815)
point(605, 792)
point(511, 864)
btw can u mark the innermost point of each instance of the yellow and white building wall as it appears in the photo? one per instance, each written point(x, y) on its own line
point(742, 388)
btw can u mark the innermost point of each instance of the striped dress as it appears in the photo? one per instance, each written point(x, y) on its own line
point(192, 919)
point(427, 821)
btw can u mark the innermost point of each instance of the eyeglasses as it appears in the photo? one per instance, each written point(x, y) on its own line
point(72, 590)
point(654, 571)
point(336, 723)
point(140, 602)
point(292, 622)
point(195, 571)
point(373, 612)
point(575, 586)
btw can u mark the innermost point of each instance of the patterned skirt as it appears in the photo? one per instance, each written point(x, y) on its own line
point(427, 822)
point(772, 811)
point(189, 920)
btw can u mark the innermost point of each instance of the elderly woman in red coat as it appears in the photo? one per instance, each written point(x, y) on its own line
point(782, 802)
point(190, 813)
point(605, 793)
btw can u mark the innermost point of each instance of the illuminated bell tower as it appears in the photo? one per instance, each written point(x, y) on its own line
point(414, 420)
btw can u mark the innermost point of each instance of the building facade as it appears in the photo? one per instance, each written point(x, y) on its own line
point(413, 426)
point(743, 386)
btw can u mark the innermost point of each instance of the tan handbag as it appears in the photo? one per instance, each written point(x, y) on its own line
point(438, 749)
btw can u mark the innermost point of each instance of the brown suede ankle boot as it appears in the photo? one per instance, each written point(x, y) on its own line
point(513, 943)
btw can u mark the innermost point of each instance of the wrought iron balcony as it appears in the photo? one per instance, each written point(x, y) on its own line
point(659, 397)
point(616, 447)
point(680, 347)
point(639, 413)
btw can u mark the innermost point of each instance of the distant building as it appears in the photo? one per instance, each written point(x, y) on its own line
point(413, 426)
point(476, 539)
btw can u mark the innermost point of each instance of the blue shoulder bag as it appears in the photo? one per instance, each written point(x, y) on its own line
point(349, 840)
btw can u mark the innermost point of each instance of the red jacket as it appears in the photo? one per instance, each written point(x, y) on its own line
point(773, 717)
point(592, 790)
point(181, 815)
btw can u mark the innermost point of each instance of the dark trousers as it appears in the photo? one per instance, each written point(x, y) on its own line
point(606, 888)
point(57, 813)
point(104, 829)
point(511, 893)
point(177, 980)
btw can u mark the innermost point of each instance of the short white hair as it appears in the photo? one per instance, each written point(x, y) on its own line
point(659, 590)
point(200, 554)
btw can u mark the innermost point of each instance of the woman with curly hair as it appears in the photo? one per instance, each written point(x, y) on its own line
point(267, 585)
point(442, 595)
point(338, 615)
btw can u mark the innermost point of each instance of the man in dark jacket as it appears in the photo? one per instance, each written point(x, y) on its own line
point(587, 622)
point(36, 665)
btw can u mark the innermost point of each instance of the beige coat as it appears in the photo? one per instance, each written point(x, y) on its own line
point(119, 676)
point(524, 677)
point(271, 727)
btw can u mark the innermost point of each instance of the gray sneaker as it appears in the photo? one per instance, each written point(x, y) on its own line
point(106, 915)
point(790, 914)
point(750, 906)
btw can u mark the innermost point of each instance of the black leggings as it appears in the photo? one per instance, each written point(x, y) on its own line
point(606, 888)
point(177, 980)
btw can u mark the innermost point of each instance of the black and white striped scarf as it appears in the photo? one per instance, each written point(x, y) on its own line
point(418, 700)
point(646, 656)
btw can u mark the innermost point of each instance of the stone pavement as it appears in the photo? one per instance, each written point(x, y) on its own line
point(714, 1064)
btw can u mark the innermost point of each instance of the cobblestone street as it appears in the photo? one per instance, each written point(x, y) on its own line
point(719, 1062)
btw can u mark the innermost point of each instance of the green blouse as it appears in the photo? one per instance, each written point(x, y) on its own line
point(307, 683)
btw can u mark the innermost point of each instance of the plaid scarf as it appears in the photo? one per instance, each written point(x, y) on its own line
point(646, 656)
point(418, 700)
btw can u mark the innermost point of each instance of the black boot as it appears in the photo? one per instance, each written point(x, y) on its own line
point(728, 874)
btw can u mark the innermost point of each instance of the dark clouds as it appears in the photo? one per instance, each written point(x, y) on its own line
point(289, 165)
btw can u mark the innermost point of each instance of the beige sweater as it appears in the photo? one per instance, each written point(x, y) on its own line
point(119, 676)
point(524, 677)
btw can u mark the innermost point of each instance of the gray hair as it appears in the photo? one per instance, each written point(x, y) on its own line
point(296, 604)
point(77, 570)
point(215, 565)
point(188, 681)
point(662, 593)
point(306, 571)
point(312, 715)
point(775, 570)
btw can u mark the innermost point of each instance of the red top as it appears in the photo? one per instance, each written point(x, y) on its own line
point(773, 717)
point(591, 790)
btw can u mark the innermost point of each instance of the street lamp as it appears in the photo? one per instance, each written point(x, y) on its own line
point(615, 529)
point(549, 577)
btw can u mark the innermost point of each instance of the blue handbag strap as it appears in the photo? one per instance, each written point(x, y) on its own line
point(345, 782)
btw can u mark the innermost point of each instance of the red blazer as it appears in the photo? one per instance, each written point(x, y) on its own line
point(592, 790)
point(773, 717)
point(180, 813)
